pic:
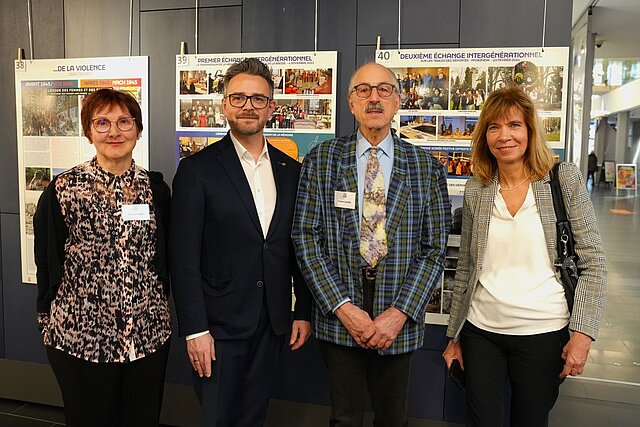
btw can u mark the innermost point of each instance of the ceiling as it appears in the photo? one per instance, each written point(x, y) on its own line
point(616, 24)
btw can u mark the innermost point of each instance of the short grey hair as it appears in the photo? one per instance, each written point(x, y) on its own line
point(251, 66)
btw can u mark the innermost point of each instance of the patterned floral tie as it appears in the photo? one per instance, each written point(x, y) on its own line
point(373, 237)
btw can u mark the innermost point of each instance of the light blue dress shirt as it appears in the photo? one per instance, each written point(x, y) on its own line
point(385, 157)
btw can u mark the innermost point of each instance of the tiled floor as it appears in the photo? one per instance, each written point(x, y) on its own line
point(616, 353)
point(608, 394)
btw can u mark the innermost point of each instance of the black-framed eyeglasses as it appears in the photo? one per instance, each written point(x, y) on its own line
point(103, 125)
point(239, 100)
point(364, 90)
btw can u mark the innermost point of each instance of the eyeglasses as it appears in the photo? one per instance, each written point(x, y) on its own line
point(102, 125)
point(364, 90)
point(239, 100)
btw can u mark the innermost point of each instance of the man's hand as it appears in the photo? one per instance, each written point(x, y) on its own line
point(300, 333)
point(384, 329)
point(202, 351)
point(355, 320)
point(575, 354)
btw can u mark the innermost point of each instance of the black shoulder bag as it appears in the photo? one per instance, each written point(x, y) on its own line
point(566, 262)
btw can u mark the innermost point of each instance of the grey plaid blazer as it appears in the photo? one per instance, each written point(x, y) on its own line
point(327, 240)
point(592, 286)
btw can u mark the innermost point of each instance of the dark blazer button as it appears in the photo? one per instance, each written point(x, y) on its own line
point(266, 245)
point(259, 283)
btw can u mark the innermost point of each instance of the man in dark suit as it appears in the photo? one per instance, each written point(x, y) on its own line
point(370, 230)
point(232, 256)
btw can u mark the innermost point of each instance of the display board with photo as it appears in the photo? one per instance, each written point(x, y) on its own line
point(304, 95)
point(442, 93)
point(49, 94)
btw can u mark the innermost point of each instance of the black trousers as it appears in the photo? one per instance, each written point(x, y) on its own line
point(532, 363)
point(357, 374)
point(111, 394)
point(238, 392)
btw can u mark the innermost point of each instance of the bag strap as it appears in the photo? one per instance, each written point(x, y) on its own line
point(556, 193)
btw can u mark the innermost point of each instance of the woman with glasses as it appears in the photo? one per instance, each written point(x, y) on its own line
point(102, 274)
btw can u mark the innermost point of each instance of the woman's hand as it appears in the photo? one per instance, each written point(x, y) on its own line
point(575, 354)
point(453, 351)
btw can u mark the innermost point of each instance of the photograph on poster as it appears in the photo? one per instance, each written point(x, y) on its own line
point(441, 156)
point(48, 114)
point(456, 127)
point(37, 178)
point(30, 204)
point(193, 82)
point(190, 145)
point(468, 88)
point(301, 114)
point(423, 88)
point(202, 113)
point(459, 164)
point(298, 81)
point(215, 81)
point(551, 126)
point(542, 84)
point(58, 171)
point(418, 127)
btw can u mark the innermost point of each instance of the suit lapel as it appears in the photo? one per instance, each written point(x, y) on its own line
point(544, 201)
point(278, 168)
point(347, 180)
point(484, 209)
point(398, 193)
point(229, 160)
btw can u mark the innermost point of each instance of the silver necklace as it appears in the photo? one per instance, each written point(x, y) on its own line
point(515, 186)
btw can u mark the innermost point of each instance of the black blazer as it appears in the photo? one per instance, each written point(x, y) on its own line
point(222, 266)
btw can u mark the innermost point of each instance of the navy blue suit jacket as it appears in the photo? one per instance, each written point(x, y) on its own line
point(222, 265)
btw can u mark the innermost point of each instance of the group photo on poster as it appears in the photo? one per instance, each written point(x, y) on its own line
point(304, 100)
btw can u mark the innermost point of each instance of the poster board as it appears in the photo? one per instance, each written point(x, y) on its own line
point(626, 176)
point(609, 171)
point(305, 96)
point(442, 95)
point(49, 93)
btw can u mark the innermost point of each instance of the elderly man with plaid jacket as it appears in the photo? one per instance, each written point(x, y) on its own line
point(370, 230)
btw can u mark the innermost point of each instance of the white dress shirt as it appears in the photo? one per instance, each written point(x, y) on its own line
point(518, 293)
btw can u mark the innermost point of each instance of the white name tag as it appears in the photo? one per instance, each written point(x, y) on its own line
point(136, 212)
point(344, 200)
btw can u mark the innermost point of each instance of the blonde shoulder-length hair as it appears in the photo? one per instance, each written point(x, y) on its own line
point(538, 158)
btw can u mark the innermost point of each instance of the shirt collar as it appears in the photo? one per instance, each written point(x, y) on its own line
point(243, 153)
point(362, 145)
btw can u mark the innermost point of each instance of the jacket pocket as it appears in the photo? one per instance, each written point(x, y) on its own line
point(217, 287)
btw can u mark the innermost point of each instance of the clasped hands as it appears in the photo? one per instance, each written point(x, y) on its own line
point(378, 333)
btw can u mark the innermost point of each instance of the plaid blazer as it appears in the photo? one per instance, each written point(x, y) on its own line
point(327, 245)
point(592, 286)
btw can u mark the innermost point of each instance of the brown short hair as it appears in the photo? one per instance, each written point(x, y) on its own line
point(251, 66)
point(108, 98)
point(538, 158)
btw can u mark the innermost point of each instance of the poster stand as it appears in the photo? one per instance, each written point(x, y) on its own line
point(608, 172)
point(626, 177)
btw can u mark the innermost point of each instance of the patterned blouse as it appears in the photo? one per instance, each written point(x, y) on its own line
point(110, 305)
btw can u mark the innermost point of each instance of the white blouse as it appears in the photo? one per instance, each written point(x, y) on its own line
point(518, 293)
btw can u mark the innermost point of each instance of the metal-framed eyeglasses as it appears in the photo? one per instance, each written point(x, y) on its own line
point(364, 90)
point(103, 125)
point(238, 100)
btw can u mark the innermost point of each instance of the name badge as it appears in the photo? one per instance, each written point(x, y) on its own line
point(136, 212)
point(344, 200)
